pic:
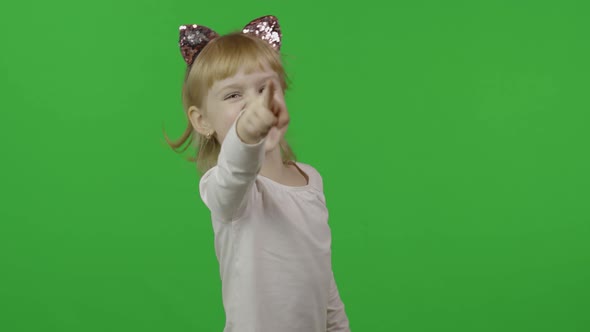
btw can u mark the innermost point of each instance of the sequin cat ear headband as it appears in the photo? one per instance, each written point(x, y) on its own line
point(193, 37)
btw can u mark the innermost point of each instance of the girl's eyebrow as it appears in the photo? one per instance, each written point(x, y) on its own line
point(230, 86)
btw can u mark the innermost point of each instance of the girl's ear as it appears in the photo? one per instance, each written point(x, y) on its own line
point(199, 120)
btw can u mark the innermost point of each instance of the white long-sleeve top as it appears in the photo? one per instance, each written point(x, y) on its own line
point(273, 244)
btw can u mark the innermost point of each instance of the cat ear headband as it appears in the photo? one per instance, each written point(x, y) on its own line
point(193, 37)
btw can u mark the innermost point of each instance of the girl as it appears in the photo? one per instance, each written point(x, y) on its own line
point(269, 215)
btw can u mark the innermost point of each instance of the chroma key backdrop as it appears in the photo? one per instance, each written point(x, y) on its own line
point(452, 138)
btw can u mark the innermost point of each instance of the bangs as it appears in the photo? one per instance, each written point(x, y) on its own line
point(227, 55)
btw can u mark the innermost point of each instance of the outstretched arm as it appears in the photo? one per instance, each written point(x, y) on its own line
point(224, 188)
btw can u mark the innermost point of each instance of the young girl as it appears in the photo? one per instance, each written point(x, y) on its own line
point(269, 215)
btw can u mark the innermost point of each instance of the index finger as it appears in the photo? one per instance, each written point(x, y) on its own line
point(270, 94)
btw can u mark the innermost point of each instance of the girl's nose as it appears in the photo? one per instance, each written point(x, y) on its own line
point(249, 97)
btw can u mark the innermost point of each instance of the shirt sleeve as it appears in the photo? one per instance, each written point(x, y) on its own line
point(337, 321)
point(224, 187)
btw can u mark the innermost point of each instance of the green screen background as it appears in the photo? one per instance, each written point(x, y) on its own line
point(452, 137)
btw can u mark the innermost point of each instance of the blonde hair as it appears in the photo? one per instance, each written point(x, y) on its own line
point(223, 57)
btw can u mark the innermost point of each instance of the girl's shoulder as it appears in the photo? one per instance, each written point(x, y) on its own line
point(315, 178)
point(206, 175)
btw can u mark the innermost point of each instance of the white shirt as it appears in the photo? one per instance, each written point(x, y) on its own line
point(273, 244)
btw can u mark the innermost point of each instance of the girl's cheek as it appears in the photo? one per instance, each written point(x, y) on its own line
point(231, 117)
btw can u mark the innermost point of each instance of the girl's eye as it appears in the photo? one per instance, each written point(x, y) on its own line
point(230, 96)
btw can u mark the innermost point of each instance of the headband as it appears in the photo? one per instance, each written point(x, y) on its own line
point(194, 38)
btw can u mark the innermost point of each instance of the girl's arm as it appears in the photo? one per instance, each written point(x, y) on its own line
point(337, 321)
point(224, 188)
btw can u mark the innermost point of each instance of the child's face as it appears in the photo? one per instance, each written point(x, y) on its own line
point(229, 96)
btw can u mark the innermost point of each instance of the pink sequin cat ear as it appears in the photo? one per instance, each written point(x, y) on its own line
point(266, 28)
point(193, 37)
